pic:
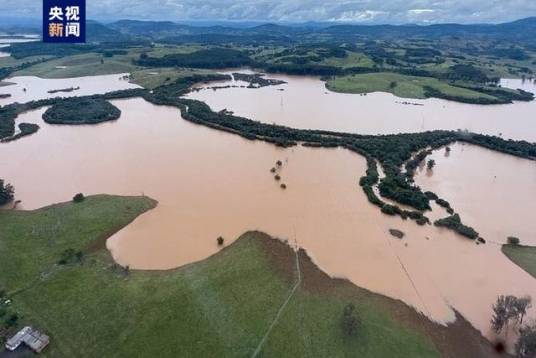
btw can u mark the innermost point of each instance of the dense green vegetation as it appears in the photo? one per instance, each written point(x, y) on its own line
point(24, 130)
point(391, 151)
point(454, 222)
point(209, 58)
point(464, 69)
point(256, 80)
point(38, 48)
point(221, 306)
point(6, 192)
point(6, 71)
point(81, 110)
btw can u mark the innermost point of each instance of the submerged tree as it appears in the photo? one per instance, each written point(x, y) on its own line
point(521, 305)
point(7, 192)
point(509, 308)
point(526, 343)
point(503, 312)
point(430, 164)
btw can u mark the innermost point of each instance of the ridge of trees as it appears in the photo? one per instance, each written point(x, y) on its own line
point(391, 151)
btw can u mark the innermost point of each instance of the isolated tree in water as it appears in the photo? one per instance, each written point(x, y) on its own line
point(503, 312)
point(509, 308)
point(521, 305)
point(6, 192)
point(431, 164)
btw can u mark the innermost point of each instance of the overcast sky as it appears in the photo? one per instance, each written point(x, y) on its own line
point(362, 11)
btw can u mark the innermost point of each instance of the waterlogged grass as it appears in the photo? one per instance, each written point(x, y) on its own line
point(220, 307)
point(523, 256)
point(88, 64)
point(397, 84)
point(152, 78)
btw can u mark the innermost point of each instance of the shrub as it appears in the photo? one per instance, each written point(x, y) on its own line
point(396, 233)
point(7, 192)
point(454, 223)
point(220, 241)
point(78, 198)
point(12, 320)
point(526, 343)
point(350, 320)
point(70, 256)
point(430, 164)
point(512, 240)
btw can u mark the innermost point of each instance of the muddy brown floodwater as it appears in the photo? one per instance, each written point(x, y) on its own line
point(494, 192)
point(306, 103)
point(211, 184)
point(37, 88)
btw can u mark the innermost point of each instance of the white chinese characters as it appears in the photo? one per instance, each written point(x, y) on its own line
point(64, 22)
point(72, 13)
point(55, 13)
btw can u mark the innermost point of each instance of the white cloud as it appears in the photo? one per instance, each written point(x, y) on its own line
point(370, 11)
point(420, 11)
point(359, 16)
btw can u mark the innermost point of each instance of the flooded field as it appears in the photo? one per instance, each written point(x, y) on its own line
point(211, 184)
point(28, 88)
point(494, 192)
point(305, 103)
point(6, 40)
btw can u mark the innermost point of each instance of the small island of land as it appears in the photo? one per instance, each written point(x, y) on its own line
point(81, 111)
point(422, 87)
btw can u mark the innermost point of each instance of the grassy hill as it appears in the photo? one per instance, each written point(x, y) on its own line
point(400, 85)
point(219, 307)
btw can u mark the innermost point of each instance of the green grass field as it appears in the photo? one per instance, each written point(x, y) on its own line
point(397, 84)
point(90, 65)
point(154, 77)
point(352, 60)
point(523, 256)
point(80, 65)
point(219, 307)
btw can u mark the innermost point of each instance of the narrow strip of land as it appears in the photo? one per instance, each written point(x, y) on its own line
point(282, 308)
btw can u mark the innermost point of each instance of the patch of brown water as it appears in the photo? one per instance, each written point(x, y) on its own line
point(306, 103)
point(29, 88)
point(493, 192)
point(212, 184)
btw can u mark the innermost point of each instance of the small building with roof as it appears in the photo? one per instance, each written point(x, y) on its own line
point(32, 338)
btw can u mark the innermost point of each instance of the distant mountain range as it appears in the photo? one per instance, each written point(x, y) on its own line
point(523, 30)
point(520, 30)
